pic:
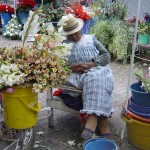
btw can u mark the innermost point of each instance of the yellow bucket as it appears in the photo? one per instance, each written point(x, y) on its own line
point(21, 108)
point(138, 133)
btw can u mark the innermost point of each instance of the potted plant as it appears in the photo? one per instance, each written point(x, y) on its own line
point(23, 7)
point(144, 30)
point(29, 70)
point(141, 89)
point(5, 13)
point(52, 12)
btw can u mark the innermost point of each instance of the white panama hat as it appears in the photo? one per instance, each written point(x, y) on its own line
point(72, 25)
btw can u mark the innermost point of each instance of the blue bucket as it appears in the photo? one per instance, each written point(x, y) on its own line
point(139, 108)
point(87, 25)
point(139, 95)
point(22, 17)
point(99, 144)
point(5, 18)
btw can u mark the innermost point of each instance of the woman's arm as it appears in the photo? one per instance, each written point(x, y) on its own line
point(104, 57)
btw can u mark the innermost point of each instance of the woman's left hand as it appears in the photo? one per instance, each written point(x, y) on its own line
point(82, 67)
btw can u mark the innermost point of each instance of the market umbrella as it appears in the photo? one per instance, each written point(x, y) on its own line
point(131, 65)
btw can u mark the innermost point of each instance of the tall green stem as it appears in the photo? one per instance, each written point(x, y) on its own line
point(30, 23)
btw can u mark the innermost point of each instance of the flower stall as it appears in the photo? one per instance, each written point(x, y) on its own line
point(5, 13)
point(28, 70)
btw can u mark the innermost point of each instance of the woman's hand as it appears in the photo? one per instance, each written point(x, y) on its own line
point(82, 67)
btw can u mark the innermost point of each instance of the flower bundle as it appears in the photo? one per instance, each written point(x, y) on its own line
point(6, 8)
point(77, 10)
point(41, 65)
point(25, 5)
point(39, 68)
point(13, 28)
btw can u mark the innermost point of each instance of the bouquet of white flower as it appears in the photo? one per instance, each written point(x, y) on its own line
point(13, 28)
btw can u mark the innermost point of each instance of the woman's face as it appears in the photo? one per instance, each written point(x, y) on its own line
point(75, 37)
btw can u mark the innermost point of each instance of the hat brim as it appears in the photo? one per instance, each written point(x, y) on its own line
point(78, 28)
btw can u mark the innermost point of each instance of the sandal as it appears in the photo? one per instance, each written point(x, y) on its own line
point(87, 134)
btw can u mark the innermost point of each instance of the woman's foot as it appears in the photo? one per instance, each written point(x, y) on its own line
point(87, 134)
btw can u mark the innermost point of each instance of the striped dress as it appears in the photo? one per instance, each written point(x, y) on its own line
point(97, 83)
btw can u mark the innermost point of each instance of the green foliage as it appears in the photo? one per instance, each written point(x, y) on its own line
point(51, 12)
point(145, 80)
point(105, 10)
point(103, 32)
point(121, 45)
point(116, 36)
point(144, 28)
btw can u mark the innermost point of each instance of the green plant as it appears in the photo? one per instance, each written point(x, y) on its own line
point(51, 12)
point(103, 32)
point(105, 10)
point(143, 78)
point(121, 46)
point(144, 28)
point(98, 7)
point(115, 36)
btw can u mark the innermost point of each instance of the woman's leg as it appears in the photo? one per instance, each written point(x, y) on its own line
point(103, 125)
point(90, 127)
point(91, 122)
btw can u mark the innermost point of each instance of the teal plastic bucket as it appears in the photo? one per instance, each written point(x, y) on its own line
point(143, 38)
point(99, 144)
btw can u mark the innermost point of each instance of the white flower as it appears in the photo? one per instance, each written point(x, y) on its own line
point(5, 68)
point(64, 19)
point(14, 67)
point(40, 133)
point(60, 30)
point(50, 28)
point(71, 143)
point(36, 145)
point(40, 46)
point(59, 38)
point(9, 81)
point(3, 79)
point(34, 28)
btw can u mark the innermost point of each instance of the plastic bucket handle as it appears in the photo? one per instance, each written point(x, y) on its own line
point(130, 120)
point(31, 105)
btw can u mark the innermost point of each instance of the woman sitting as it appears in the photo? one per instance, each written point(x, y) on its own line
point(90, 72)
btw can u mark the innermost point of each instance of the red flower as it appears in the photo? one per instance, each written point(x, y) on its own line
point(25, 5)
point(6, 8)
point(77, 10)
